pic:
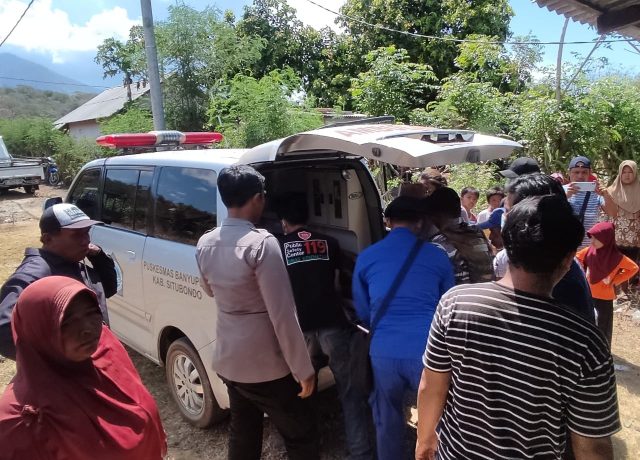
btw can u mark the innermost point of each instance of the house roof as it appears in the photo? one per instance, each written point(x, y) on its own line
point(103, 105)
point(620, 16)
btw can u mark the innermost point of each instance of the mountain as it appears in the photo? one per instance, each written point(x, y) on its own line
point(25, 101)
point(16, 71)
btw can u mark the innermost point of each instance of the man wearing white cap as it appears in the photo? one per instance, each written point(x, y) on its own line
point(65, 241)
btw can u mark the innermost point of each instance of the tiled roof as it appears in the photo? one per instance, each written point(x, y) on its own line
point(103, 105)
point(621, 16)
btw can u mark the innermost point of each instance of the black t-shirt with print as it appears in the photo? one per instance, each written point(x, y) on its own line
point(312, 259)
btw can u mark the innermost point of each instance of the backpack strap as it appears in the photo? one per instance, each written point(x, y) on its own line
point(384, 306)
point(583, 210)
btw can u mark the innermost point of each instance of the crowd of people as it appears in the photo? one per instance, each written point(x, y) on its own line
point(498, 324)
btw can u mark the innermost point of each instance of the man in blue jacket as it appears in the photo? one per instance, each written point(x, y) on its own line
point(65, 244)
point(401, 334)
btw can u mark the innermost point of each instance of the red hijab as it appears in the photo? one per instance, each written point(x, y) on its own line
point(601, 262)
point(56, 409)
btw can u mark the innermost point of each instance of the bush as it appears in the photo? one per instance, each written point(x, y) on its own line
point(36, 137)
point(135, 119)
point(29, 137)
point(72, 154)
point(254, 111)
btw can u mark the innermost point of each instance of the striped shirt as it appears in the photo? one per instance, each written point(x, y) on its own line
point(523, 369)
point(591, 214)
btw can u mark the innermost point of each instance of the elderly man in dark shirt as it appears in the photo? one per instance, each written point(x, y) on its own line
point(65, 244)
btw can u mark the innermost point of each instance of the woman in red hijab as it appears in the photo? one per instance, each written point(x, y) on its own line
point(606, 268)
point(76, 394)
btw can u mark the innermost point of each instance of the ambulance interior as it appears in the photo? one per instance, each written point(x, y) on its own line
point(342, 199)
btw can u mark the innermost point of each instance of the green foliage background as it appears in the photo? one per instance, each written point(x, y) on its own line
point(25, 101)
point(261, 76)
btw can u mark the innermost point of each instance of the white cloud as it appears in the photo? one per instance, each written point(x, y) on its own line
point(315, 16)
point(48, 30)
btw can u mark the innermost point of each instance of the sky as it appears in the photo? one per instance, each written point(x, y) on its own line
point(64, 34)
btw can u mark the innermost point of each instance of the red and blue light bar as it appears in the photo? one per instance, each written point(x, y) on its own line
point(154, 138)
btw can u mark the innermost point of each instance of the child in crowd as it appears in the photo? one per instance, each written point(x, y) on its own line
point(468, 199)
point(606, 267)
point(494, 197)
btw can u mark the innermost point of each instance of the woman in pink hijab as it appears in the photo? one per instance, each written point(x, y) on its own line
point(622, 205)
point(76, 394)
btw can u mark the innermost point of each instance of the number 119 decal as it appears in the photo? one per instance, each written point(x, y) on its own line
point(305, 251)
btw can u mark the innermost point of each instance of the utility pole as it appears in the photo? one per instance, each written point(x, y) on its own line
point(157, 108)
point(559, 62)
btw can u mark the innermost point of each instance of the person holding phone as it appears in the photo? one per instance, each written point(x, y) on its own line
point(584, 195)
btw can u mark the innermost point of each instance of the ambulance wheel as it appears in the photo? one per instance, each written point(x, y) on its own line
point(190, 385)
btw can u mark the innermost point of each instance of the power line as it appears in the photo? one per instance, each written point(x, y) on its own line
point(458, 40)
point(18, 22)
point(53, 82)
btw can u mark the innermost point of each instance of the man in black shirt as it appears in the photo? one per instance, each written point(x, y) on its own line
point(65, 244)
point(313, 261)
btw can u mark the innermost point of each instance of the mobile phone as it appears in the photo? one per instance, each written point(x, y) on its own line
point(586, 186)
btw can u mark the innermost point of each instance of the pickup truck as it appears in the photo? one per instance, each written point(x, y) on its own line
point(17, 172)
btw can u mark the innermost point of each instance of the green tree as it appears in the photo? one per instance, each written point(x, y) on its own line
point(484, 61)
point(392, 85)
point(443, 18)
point(255, 111)
point(198, 53)
point(480, 95)
point(465, 103)
point(599, 119)
point(341, 60)
point(126, 58)
point(289, 42)
point(133, 119)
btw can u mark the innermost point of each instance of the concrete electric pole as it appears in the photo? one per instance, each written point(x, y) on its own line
point(157, 107)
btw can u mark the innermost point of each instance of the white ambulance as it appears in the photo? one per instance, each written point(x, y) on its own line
point(155, 207)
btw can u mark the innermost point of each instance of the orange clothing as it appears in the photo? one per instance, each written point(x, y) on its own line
point(605, 289)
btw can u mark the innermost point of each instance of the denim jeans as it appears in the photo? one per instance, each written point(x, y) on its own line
point(335, 343)
point(394, 382)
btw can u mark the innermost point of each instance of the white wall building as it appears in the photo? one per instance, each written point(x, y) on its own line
point(83, 121)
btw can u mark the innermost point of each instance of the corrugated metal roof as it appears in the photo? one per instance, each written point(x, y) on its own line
point(588, 11)
point(103, 105)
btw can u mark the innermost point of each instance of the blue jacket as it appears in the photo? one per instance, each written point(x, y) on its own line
point(402, 332)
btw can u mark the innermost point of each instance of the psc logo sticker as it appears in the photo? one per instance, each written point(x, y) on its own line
point(304, 235)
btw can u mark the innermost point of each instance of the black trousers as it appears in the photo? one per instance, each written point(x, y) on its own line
point(292, 416)
point(605, 317)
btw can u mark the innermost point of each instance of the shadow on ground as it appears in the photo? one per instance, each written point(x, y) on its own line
point(627, 374)
point(620, 450)
point(14, 194)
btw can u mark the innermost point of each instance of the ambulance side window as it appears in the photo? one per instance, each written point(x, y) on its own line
point(118, 198)
point(85, 193)
point(185, 204)
point(143, 201)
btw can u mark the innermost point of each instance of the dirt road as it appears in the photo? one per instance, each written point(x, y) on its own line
point(19, 229)
point(19, 214)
